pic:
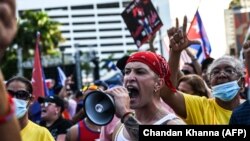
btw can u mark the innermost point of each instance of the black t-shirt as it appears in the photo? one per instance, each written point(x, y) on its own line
point(60, 126)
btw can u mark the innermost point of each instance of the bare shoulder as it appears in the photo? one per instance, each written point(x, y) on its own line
point(176, 121)
point(72, 133)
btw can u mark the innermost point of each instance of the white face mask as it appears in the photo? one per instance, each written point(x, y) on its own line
point(21, 107)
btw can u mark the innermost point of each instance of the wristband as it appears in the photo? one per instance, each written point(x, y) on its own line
point(9, 115)
point(123, 117)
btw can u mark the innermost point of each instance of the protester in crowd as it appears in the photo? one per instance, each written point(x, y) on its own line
point(8, 121)
point(145, 74)
point(80, 115)
point(78, 98)
point(188, 68)
point(204, 65)
point(50, 83)
point(226, 77)
point(108, 130)
point(101, 84)
point(51, 115)
point(196, 66)
point(20, 89)
point(193, 84)
point(241, 115)
point(84, 130)
point(66, 93)
point(8, 27)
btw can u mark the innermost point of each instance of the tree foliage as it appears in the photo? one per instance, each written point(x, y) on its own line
point(235, 4)
point(29, 23)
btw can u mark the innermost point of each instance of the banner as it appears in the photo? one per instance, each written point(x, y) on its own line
point(142, 20)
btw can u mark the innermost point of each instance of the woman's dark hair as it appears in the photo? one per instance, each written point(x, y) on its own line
point(23, 80)
point(192, 66)
point(197, 84)
point(206, 62)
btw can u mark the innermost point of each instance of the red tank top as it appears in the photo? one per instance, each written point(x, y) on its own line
point(85, 133)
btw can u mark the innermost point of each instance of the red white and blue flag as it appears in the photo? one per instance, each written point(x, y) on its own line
point(38, 83)
point(38, 78)
point(197, 32)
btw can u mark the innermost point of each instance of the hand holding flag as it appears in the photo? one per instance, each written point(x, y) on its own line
point(178, 37)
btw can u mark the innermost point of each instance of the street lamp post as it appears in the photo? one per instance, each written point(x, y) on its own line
point(62, 49)
point(78, 67)
point(20, 61)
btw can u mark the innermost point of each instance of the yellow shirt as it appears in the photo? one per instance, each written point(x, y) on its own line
point(34, 132)
point(201, 110)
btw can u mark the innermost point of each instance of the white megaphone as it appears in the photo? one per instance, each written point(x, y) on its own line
point(99, 107)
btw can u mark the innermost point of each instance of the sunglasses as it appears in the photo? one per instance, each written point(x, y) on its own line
point(21, 94)
point(46, 104)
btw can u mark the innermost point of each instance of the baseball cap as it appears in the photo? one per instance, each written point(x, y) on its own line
point(53, 99)
point(101, 83)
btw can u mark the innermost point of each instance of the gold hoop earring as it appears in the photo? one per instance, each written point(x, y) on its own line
point(155, 91)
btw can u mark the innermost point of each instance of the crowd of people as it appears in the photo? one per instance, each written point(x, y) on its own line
point(155, 91)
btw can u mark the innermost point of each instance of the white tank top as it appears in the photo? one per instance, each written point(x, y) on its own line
point(119, 134)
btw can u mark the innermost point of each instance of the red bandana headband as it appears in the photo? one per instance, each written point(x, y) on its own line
point(155, 62)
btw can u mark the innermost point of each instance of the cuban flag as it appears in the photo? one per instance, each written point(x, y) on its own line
point(197, 32)
point(38, 77)
point(38, 84)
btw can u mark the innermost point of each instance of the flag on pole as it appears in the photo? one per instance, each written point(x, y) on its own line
point(38, 78)
point(38, 84)
point(61, 77)
point(197, 32)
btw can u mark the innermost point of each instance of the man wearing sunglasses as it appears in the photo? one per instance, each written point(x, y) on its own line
point(51, 115)
point(20, 89)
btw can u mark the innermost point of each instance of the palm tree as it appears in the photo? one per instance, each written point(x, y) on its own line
point(235, 4)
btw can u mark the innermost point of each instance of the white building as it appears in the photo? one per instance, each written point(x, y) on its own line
point(96, 25)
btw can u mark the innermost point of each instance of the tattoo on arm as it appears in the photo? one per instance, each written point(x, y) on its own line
point(132, 126)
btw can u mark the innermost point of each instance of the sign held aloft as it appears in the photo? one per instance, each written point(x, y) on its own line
point(142, 20)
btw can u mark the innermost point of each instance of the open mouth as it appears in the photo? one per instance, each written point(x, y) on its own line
point(133, 92)
point(43, 111)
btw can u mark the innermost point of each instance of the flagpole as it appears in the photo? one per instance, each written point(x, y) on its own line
point(38, 36)
point(204, 48)
point(195, 13)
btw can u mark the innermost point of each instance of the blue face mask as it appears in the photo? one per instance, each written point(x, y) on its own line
point(226, 91)
point(21, 107)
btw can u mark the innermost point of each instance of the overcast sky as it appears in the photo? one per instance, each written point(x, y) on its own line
point(212, 14)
